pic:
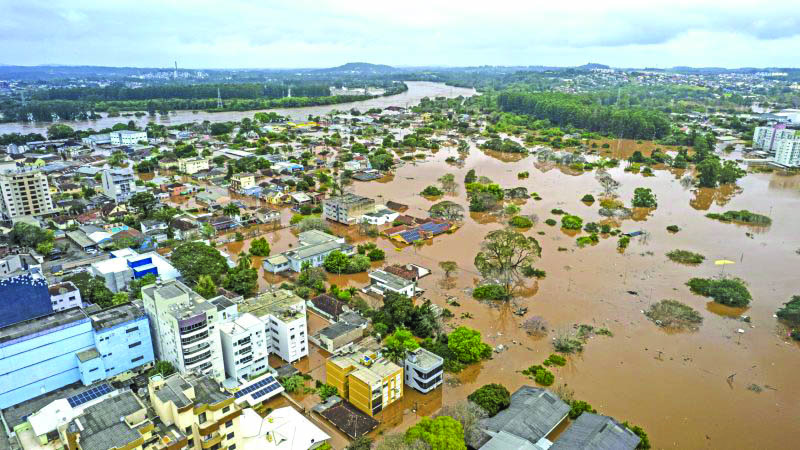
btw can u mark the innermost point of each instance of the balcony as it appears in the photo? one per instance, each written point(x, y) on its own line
point(196, 359)
point(191, 351)
point(193, 339)
point(211, 439)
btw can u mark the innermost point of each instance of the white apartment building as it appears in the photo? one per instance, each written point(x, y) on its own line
point(127, 137)
point(64, 296)
point(118, 184)
point(768, 138)
point(191, 166)
point(787, 152)
point(245, 349)
point(346, 208)
point(185, 328)
point(24, 192)
point(284, 315)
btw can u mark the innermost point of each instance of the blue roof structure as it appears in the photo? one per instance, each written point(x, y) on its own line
point(266, 383)
point(91, 394)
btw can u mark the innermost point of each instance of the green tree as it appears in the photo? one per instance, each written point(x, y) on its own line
point(259, 247)
point(790, 312)
point(28, 235)
point(644, 198)
point(92, 289)
point(206, 287)
point(163, 368)
point(448, 267)
point(135, 286)
point(505, 255)
point(398, 344)
point(466, 345)
point(730, 172)
point(360, 443)
point(59, 131)
point(441, 433)
point(493, 398)
point(119, 298)
point(44, 248)
point(709, 172)
point(231, 210)
point(242, 279)
point(470, 177)
point(336, 262)
point(570, 222)
point(144, 202)
point(193, 259)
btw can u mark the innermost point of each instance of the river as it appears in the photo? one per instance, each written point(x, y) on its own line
point(416, 91)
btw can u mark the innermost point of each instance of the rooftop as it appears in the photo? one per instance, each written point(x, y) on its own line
point(40, 324)
point(62, 288)
point(280, 303)
point(592, 431)
point(18, 414)
point(102, 426)
point(336, 330)
point(349, 419)
point(206, 390)
point(312, 237)
point(424, 359)
point(348, 200)
point(370, 368)
point(308, 251)
point(115, 315)
point(390, 280)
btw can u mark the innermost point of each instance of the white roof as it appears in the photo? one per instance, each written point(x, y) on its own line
point(99, 236)
point(282, 429)
point(48, 419)
point(242, 323)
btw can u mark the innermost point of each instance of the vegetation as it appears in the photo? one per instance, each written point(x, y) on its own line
point(570, 222)
point(326, 390)
point(578, 407)
point(744, 216)
point(466, 345)
point(674, 314)
point(644, 198)
point(790, 313)
point(259, 247)
point(727, 291)
point(712, 172)
point(242, 279)
point(92, 289)
point(447, 210)
point(551, 222)
point(490, 292)
point(441, 433)
point(206, 287)
point(398, 311)
point(163, 368)
point(194, 259)
point(588, 198)
point(360, 443)
point(686, 257)
point(493, 398)
point(644, 444)
point(555, 360)
point(448, 267)
point(398, 344)
point(432, 191)
point(540, 374)
point(520, 222)
point(504, 256)
point(338, 262)
point(673, 228)
point(371, 251)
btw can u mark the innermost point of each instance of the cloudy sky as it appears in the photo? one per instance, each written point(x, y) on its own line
point(321, 33)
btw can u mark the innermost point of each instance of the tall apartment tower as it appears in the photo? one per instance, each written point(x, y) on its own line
point(24, 192)
point(185, 328)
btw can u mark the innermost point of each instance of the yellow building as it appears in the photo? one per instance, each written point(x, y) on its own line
point(197, 407)
point(369, 382)
point(242, 181)
point(191, 166)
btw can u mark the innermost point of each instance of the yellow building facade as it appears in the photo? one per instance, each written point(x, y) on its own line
point(366, 380)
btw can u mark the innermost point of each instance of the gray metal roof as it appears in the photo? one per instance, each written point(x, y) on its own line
point(592, 431)
point(102, 423)
point(533, 413)
point(507, 441)
point(336, 330)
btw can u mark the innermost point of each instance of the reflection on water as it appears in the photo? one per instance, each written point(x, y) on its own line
point(724, 310)
point(704, 197)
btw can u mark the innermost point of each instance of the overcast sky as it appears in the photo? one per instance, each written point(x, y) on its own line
point(321, 33)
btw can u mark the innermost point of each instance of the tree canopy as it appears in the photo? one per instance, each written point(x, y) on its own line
point(194, 259)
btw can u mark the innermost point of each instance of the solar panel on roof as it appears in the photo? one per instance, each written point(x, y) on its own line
point(261, 383)
point(91, 394)
point(265, 391)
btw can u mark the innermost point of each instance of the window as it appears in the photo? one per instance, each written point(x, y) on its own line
point(232, 447)
point(188, 430)
point(226, 409)
point(135, 344)
point(92, 370)
point(202, 417)
point(229, 436)
point(132, 330)
point(229, 424)
point(138, 358)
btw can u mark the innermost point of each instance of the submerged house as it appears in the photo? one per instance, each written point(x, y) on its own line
point(314, 246)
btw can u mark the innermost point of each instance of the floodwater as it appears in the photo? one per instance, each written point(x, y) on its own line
point(672, 384)
point(416, 91)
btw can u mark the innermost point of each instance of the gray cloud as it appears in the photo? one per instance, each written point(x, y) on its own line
point(304, 33)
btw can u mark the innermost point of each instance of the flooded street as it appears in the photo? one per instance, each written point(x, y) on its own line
point(672, 384)
point(416, 91)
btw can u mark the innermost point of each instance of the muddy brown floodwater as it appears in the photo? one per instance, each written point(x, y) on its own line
point(675, 385)
point(672, 384)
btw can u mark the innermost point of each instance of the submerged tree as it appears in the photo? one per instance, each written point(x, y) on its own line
point(506, 256)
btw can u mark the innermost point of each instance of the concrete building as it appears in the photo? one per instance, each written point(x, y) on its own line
point(338, 337)
point(126, 265)
point(64, 296)
point(97, 139)
point(242, 181)
point(284, 315)
point(118, 184)
point(382, 282)
point(346, 208)
point(47, 353)
point(787, 152)
point(197, 406)
point(245, 349)
point(24, 192)
point(379, 216)
point(23, 296)
point(191, 166)
point(369, 382)
point(313, 247)
point(767, 138)
point(185, 328)
point(127, 137)
point(424, 370)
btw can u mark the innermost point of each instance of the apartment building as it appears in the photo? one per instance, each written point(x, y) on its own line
point(185, 328)
point(197, 406)
point(787, 152)
point(46, 353)
point(191, 166)
point(126, 137)
point(424, 370)
point(24, 192)
point(346, 208)
point(118, 184)
point(64, 296)
point(365, 379)
point(245, 349)
point(768, 138)
point(242, 181)
point(284, 315)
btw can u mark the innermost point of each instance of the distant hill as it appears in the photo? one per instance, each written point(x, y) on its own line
point(592, 66)
point(361, 68)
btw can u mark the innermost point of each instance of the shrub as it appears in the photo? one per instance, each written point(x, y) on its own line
point(570, 222)
point(567, 343)
point(790, 311)
point(550, 222)
point(536, 325)
point(727, 291)
point(529, 271)
point(674, 314)
point(743, 216)
point(673, 228)
point(557, 211)
point(555, 360)
point(644, 198)
point(490, 292)
point(493, 398)
point(432, 191)
point(523, 175)
point(588, 198)
point(588, 240)
point(578, 407)
point(685, 257)
point(623, 242)
point(521, 222)
point(540, 374)
point(644, 443)
point(591, 227)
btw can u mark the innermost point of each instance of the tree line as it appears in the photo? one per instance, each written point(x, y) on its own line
point(580, 111)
